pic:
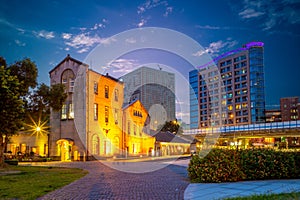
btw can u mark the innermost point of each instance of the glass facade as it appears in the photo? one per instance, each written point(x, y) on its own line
point(257, 88)
point(194, 104)
point(233, 94)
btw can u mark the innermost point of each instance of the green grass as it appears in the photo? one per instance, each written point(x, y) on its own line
point(33, 182)
point(284, 196)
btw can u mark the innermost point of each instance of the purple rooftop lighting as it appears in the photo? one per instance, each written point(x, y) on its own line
point(245, 47)
point(253, 44)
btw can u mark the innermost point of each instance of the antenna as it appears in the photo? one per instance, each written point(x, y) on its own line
point(160, 68)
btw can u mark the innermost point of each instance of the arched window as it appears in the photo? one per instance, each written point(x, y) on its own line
point(68, 79)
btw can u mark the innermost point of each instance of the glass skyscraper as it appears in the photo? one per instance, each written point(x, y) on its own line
point(231, 92)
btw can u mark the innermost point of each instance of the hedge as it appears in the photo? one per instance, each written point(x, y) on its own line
point(222, 165)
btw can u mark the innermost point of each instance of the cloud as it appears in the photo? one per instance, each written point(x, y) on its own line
point(102, 24)
point(85, 40)
point(272, 15)
point(19, 43)
point(215, 48)
point(130, 40)
point(208, 27)
point(66, 36)
point(122, 65)
point(168, 11)
point(250, 13)
point(44, 34)
point(142, 23)
point(83, 50)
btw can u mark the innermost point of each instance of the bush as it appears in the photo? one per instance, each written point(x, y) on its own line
point(12, 162)
point(217, 166)
point(222, 165)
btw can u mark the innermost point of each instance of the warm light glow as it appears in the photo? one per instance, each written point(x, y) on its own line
point(38, 128)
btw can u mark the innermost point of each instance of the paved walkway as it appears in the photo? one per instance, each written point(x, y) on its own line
point(240, 189)
point(170, 181)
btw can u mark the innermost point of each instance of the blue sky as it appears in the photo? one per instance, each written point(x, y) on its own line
point(46, 31)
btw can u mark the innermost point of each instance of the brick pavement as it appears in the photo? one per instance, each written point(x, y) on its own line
point(103, 182)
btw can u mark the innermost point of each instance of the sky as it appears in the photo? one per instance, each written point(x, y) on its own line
point(46, 31)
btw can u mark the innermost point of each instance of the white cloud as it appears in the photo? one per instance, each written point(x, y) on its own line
point(250, 13)
point(85, 40)
point(83, 50)
point(122, 65)
point(208, 27)
point(130, 40)
point(19, 43)
point(215, 47)
point(168, 11)
point(66, 36)
point(281, 12)
point(142, 23)
point(44, 34)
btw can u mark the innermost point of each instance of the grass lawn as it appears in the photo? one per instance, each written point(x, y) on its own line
point(287, 196)
point(33, 182)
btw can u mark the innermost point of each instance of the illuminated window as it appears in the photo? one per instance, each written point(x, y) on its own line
point(95, 87)
point(95, 111)
point(64, 112)
point(106, 92)
point(230, 107)
point(106, 114)
point(116, 94)
point(238, 106)
point(244, 105)
point(71, 111)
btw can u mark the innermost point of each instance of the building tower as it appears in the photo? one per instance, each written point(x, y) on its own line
point(233, 92)
point(156, 91)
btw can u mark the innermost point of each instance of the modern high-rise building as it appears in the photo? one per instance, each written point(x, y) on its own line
point(290, 108)
point(231, 92)
point(156, 91)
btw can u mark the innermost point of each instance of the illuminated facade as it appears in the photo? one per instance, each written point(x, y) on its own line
point(233, 92)
point(92, 122)
point(26, 142)
point(135, 121)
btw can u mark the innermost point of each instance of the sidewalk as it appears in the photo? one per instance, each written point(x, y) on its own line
point(240, 189)
point(203, 191)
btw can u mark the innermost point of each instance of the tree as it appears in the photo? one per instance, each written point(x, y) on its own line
point(26, 72)
point(171, 126)
point(11, 106)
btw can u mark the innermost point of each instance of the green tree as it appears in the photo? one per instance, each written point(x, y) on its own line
point(12, 109)
point(171, 126)
point(26, 72)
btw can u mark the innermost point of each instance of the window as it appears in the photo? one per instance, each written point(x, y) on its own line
point(64, 112)
point(128, 127)
point(71, 111)
point(116, 116)
point(134, 129)
point(95, 87)
point(116, 94)
point(95, 111)
point(106, 92)
point(106, 114)
point(72, 83)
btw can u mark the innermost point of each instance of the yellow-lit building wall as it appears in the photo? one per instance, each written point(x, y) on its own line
point(137, 141)
point(105, 99)
point(26, 143)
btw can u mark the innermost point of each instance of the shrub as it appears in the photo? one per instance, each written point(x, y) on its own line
point(222, 165)
point(12, 162)
point(217, 166)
